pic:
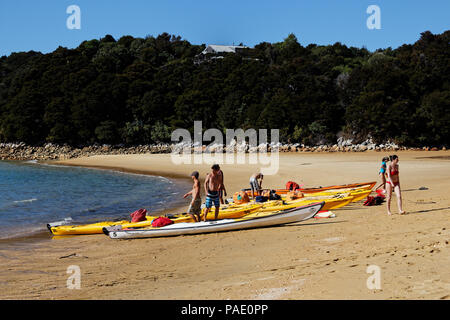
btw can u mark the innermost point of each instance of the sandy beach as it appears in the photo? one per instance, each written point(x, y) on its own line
point(315, 259)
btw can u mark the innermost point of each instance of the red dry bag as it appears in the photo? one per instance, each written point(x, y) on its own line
point(161, 222)
point(138, 215)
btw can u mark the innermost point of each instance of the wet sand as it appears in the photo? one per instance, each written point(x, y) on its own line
point(315, 259)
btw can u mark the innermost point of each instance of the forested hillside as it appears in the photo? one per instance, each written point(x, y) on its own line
point(137, 90)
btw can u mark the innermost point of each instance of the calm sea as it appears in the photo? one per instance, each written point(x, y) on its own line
point(32, 195)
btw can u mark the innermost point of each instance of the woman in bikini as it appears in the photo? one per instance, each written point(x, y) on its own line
point(393, 183)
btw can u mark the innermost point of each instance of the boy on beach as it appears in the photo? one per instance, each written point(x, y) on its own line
point(196, 203)
point(213, 184)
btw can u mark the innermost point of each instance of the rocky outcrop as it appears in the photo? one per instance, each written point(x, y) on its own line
point(21, 151)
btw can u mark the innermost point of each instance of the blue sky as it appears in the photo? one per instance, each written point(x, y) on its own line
point(41, 25)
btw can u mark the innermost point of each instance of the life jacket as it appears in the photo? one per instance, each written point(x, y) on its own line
point(161, 222)
point(291, 185)
point(138, 215)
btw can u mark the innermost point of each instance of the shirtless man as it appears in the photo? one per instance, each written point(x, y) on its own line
point(256, 183)
point(196, 203)
point(213, 185)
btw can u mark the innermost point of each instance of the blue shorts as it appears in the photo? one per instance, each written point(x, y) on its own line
point(212, 199)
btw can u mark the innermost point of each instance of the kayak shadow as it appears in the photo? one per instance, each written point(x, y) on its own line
point(301, 223)
point(293, 224)
point(348, 208)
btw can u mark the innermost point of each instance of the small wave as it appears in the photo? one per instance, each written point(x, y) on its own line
point(52, 165)
point(24, 201)
point(21, 232)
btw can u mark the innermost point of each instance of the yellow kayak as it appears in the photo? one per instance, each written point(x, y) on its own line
point(357, 194)
point(330, 203)
point(366, 185)
point(227, 212)
point(95, 228)
point(231, 211)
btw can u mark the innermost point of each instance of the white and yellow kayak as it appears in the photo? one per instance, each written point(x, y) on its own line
point(253, 220)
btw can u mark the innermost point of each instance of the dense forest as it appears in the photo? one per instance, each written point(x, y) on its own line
point(137, 90)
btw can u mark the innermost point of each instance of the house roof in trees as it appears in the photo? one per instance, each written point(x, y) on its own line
point(214, 48)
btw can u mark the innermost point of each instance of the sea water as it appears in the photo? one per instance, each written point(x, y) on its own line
point(32, 195)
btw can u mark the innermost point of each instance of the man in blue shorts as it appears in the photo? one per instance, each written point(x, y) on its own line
point(212, 188)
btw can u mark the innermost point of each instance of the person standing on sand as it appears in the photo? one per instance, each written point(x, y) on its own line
point(222, 190)
point(393, 183)
point(196, 203)
point(256, 183)
point(382, 173)
point(212, 187)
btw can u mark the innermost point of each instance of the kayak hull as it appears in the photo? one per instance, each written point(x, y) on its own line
point(254, 220)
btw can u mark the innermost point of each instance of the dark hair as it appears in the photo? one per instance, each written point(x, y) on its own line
point(385, 159)
point(393, 157)
point(194, 174)
point(215, 167)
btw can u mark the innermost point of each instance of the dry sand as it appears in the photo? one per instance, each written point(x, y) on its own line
point(315, 259)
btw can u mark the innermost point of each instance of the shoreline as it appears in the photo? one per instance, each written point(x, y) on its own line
point(153, 173)
point(42, 236)
point(79, 163)
point(315, 259)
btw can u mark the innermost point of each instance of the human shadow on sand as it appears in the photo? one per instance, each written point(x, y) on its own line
point(418, 189)
point(428, 210)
